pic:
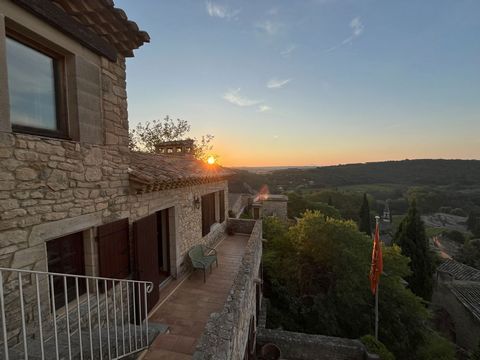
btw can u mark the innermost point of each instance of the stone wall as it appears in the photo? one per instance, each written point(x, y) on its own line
point(241, 226)
point(275, 208)
point(467, 327)
point(298, 346)
point(226, 333)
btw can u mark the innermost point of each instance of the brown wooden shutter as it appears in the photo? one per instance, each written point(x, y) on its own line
point(113, 250)
point(145, 233)
point(221, 196)
point(208, 212)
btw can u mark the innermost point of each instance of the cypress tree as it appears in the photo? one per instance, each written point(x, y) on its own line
point(411, 238)
point(364, 224)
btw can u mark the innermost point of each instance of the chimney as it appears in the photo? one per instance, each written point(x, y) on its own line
point(177, 147)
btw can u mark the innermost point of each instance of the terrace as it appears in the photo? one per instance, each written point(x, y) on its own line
point(188, 306)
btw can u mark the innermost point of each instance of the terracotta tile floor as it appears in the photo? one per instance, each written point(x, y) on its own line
point(186, 306)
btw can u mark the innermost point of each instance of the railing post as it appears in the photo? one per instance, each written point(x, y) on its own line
point(123, 318)
point(22, 308)
point(67, 316)
point(146, 312)
point(108, 320)
point(99, 321)
point(79, 319)
point(39, 308)
point(54, 311)
point(4, 324)
point(87, 283)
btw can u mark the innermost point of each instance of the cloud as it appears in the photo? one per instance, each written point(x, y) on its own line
point(264, 108)
point(220, 11)
point(269, 27)
point(277, 84)
point(234, 97)
point(357, 29)
point(288, 51)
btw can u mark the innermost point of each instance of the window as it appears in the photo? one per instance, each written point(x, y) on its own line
point(208, 212)
point(66, 256)
point(35, 88)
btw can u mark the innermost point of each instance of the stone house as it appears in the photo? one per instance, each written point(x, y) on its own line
point(456, 302)
point(73, 198)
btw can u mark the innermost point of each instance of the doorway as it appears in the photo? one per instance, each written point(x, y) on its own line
point(163, 238)
point(153, 248)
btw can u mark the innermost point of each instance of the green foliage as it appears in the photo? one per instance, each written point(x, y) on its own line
point(436, 347)
point(411, 238)
point(346, 202)
point(316, 277)
point(376, 347)
point(458, 212)
point(470, 254)
point(298, 204)
point(455, 235)
point(364, 223)
point(147, 136)
point(476, 353)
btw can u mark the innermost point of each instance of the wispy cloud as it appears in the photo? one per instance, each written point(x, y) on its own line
point(288, 51)
point(277, 83)
point(234, 97)
point(269, 27)
point(220, 11)
point(264, 108)
point(357, 29)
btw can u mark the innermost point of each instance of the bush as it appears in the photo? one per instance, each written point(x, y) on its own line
point(436, 347)
point(458, 212)
point(376, 347)
point(455, 235)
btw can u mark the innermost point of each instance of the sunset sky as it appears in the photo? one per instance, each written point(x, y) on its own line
point(312, 82)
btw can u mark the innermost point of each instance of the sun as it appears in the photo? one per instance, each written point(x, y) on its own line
point(211, 160)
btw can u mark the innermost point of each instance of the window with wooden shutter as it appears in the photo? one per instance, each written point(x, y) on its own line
point(208, 212)
point(113, 250)
point(65, 256)
point(222, 205)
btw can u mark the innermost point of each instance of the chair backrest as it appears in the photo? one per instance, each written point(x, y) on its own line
point(196, 252)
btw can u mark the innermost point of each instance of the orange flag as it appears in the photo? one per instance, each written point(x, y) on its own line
point(377, 262)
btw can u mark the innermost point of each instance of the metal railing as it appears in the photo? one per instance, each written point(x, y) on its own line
point(54, 316)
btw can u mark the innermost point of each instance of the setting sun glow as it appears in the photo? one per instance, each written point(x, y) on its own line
point(211, 160)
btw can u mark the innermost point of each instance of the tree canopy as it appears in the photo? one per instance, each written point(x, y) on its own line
point(147, 136)
point(411, 238)
point(316, 276)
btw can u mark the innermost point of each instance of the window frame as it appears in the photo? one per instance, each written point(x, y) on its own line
point(60, 81)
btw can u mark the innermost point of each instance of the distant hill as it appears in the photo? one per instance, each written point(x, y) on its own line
point(406, 172)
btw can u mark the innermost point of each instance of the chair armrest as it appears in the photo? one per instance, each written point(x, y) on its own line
point(211, 251)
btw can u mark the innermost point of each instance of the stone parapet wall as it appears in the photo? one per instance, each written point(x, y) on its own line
point(275, 208)
point(298, 346)
point(226, 333)
point(241, 226)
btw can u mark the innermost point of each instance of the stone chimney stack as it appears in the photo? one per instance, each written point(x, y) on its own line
point(177, 147)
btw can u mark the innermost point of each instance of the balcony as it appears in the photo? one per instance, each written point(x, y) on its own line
point(190, 307)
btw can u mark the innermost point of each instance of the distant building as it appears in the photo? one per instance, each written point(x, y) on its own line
point(457, 298)
point(270, 205)
point(387, 216)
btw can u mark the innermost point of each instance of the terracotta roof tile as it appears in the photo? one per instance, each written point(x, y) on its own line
point(468, 294)
point(459, 271)
point(152, 172)
point(111, 23)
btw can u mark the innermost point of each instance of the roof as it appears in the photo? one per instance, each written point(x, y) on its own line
point(154, 172)
point(459, 271)
point(111, 23)
point(469, 295)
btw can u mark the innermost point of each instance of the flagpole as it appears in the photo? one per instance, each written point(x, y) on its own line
point(377, 218)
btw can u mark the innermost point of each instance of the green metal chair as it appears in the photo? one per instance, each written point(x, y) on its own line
point(203, 257)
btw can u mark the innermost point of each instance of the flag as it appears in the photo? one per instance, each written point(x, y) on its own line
point(377, 261)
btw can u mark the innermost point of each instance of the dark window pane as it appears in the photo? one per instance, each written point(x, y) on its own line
point(31, 85)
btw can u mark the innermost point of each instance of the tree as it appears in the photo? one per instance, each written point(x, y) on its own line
point(146, 137)
point(411, 238)
point(316, 277)
point(476, 353)
point(364, 224)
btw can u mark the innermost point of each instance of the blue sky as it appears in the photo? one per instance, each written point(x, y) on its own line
point(308, 82)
